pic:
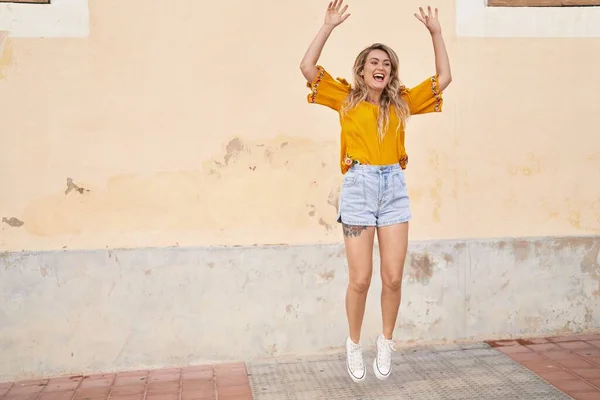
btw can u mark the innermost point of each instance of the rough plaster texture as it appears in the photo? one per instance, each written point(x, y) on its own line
point(74, 311)
point(182, 123)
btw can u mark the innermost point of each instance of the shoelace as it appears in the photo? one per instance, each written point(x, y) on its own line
point(355, 360)
point(385, 361)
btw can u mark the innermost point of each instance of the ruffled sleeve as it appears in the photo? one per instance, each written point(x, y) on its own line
point(424, 98)
point(327, 91)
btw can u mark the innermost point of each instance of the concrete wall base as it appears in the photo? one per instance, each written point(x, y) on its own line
point(69, 312)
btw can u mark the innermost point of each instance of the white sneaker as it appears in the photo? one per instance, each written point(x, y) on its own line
point(354, 361)
point(382, 365)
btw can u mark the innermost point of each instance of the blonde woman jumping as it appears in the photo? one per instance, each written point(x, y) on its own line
point(374, 198)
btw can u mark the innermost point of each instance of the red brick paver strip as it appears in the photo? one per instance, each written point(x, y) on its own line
point(569, 363)
point(206, 382)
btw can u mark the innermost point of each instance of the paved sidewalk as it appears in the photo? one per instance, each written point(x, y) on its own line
point(570, 363)
point(553, 368)
point(220, 382)
point(452, 372)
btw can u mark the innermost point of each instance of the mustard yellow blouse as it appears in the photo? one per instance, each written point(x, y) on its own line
point(359, 138)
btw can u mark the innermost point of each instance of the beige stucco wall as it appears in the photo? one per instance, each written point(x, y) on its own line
point(187, 124)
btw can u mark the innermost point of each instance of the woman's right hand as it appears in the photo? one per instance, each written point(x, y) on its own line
point(334, 15)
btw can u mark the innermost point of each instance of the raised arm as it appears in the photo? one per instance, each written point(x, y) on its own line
point(442, 63)
point(333, 18)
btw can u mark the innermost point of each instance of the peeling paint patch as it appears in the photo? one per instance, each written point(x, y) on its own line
point(72, 186)
point(13, 221)
point(146, 203)
point(324, 223)
point(421, 267)
point(233, 149)
point(590, 264)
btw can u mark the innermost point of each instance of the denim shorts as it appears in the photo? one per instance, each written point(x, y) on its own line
point(374, 195)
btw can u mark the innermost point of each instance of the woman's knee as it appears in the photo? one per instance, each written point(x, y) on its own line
point(360, 284)
point(392, 282)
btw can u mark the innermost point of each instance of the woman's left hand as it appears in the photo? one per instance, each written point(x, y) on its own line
point(430, 20)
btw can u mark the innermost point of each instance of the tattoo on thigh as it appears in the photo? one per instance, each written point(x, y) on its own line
point(353, 230)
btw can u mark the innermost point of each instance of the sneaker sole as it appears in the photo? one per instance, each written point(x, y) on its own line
point(355, 379)
point(378, 374)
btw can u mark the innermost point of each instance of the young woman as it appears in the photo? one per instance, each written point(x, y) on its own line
point(374, 197)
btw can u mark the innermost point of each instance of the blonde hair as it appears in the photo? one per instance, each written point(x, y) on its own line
point(391, 94)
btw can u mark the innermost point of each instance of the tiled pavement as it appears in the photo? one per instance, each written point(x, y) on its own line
point(221, 382)
point(450, 372)
point(570, 363)
point(548, 369)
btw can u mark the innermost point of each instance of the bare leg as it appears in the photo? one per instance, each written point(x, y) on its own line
point(359, 251)
point(393, 245)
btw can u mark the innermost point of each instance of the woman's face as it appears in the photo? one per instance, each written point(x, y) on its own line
point(377, 70)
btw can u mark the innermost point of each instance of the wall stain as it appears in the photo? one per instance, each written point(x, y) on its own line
point(292, 310)
point(460, 246)
point(211, 265)
point(584, 214)
point(521, 249)
point(531, 166)
point(148, 272)
point(13, 222)
point(72, 186)
point(421, 267)
point(327, 276)
point(436, 196)
point(435, 192)
point(448, 258)
point(5, 53)
point(168, 201)
point(273, 350)
point(44, 270)
point(233, 149)
point(573, 242)
point(334, 198)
